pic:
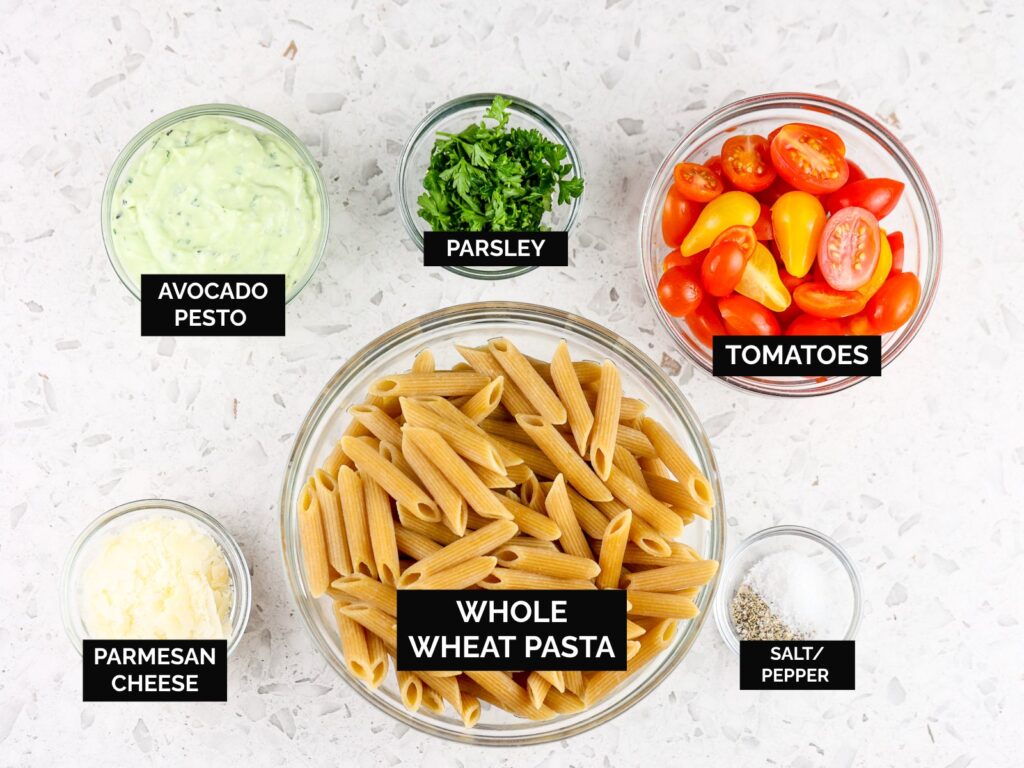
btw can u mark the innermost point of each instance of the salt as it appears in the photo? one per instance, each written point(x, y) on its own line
point(800, 592)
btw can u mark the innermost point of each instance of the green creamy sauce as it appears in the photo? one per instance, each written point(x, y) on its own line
point(210, 195)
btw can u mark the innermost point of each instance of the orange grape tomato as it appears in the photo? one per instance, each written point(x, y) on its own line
point(892, 306)
point(679, 291)
point(809, 325)
point(798, 219)
point(727, 210)
point(746, 162)
point(760, 281)
point(849, 249)
point(745, 317)
point(821, 300)
point(897, 247)
point(697, 182)
point(677, 217)
point(810, 158)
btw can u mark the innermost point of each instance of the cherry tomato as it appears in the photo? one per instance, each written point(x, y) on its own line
point(821, 300)
point(746, 162)
point(856, 173)
point(714, 164)
point(778, 188)
point(697, 182)
point(879, 196)
point(810, 158)
point(706, 322)
point(790, 281)
point(809, 325)
point(849, 248)
point(890, 307)
point(676, 259)
point(679, 291)
point(723, 267)
point(896, 245)
point(763, 225)
point(677, 217)
point(745, 317)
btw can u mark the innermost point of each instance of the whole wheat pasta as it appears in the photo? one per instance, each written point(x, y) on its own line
point(654, 466)
point(560, 510)
point(470, 710)
point(675, 458)
point(654, 641)
point(531, 493)
point(443, 383)
point(469, 445)
point(589, 517)
point(460, 576)
point(378, 423)
point(587, 371)
point(613, 545)
point(675, 494)
point(474, 544)
point(564, 702)
point(537, 688)
point(555, 677)
point(577, 472)
point(606, 420)
point(672, 578)
point(363, 589)
point(632, 649)
point(633, 630)
point(414, 544)
point(482, 404)
point(627, 463)
point(398, 485)
point(543, 399)
point(664, 520)
point(353, 645)
point(446, 687)
point(533, 457)
point(432, 701)
point(378, 659)
point(490, 478)
point(634, 441)
point(507, 578)
point(641, 532)
point(556, 564)
point(382, 530)
point(438, 532)
point(451, 465)
point(678, 553)
point(630, 409)
point(507, 430)
point(573, 681)
point(357, 528)
point(531, 522)
point(504, 691)
point(337, 456)
point(453, 506)
point(334, 530)
point(311, 536)
point(529, 541)
point(660, 605)
point(520, 474)
point(423, 362)
point(410, 690)
point(448, 410)
point(374, 620)
point(482, 361)
point(567, 385)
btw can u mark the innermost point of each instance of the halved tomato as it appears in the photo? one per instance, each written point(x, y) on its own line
point(697, 182)
point(746, 162)
point(809, 325)
point(879, 196)
point(849, 248)
point(677, 216)
point(745, 317)
point(810, 158)
point(820, 300)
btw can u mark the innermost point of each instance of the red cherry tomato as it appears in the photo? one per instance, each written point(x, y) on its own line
point(820, 300)
point(879, 196)
point(763, 225)
point(856, 174)
point(676, 259)
point(723, 267)
point(714, 164)
point(849, 248)
point(809, 325)
point(778, 188)
point(679, 291)
point(745, 317)
point(893, 304)
point(791, 282)
point(810, 158)
point(677, 217)
point(897, 248)
point(697, 182)
point(706, 322)
point(746, 162)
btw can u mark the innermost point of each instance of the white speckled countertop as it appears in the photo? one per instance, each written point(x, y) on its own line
point(919, 475)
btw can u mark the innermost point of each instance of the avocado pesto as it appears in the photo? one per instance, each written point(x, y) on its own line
point(211, 195)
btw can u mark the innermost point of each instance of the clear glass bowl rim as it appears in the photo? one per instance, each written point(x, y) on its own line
point(932, 250)
point(428, 126)
point(722, 600)
point(241, 580)
point(659, 385)
point(140, 139)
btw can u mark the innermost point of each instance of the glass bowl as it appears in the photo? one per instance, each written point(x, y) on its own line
point(247, 117)
point(872, 147)
point(536, 330)
point(454, 117)
point(831, 557)
point(90, 541)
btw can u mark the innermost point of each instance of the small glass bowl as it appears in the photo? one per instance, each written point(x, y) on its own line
point(91, 540)
point(870, 145)
point(780, 538)
point(247, 117)
point(536, 331)
point(452, 118)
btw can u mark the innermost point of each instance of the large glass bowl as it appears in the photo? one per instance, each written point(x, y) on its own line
point(249, 118)
point(453, 117)
point(871, 146)
point(536, 330)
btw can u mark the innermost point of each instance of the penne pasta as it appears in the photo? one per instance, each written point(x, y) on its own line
point(659, 516)
point(363, 589)
point(483, 362)
point(414, 544)
point(627, 463)
point(382, 531)
point(410, 690)
point(654, 641)
point(506, 694)
point(482, 404)
point(353, 646)
point(460, 576)
point(378, 659)
point(660, 605)
point(443, 383)
point(377, 423)
point(423, 362)
point(567, 385)
point(453, 506)
point(357, 528)
point(311, 537)
point(676, 495)
point(531, 522)
point(519, 370)
point(334, 529)
point(537, 688)
point(606, 420)
point(474, 544)
point(673, 578)
point(507, 578)
point(558, 565)
point(678, 553)
point(398, 484)
point(469, 445)
point(577, 472)
point(560, 510)
point(613, 546)
point(373, 620)
point(675, 458)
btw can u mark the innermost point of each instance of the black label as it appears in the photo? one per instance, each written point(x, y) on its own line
point(154, 670)
point(213, 305)
point(495, 249)
point(797, 665)
point(797, 356)
point(450, 629)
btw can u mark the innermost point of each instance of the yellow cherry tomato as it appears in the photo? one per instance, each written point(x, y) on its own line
point(882, 269)
point(798, 219)
point(726, 210)
point(761, 282)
